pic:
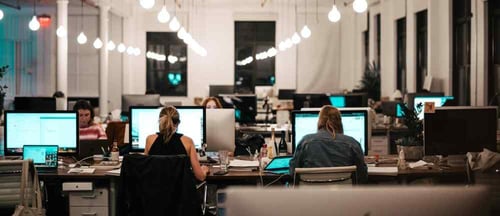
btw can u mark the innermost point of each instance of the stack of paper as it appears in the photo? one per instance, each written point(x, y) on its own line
point(243, 165)
point(390, 171)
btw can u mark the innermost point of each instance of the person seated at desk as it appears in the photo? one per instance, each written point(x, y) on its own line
point(329, 147)
point(211, 103)
point(169, 142)
point(88, 129)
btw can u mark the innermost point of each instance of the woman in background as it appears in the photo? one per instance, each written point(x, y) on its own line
point(211, 103)
point(169, 142)
point(88, 129)
point(329, 147)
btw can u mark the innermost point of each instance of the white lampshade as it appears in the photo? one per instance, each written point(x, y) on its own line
point(97, 43)
point(147, 4)
point(174, 24)
point(181, 34)
point(130, 50)
point(1, 14)
point(34, 24)
point(360, 6)
point(296, 38)
point(111, 45)
point(82, 39)
point(305, 32)
point(121, 47)
point(163, 15)
point(61, 31)
point(334, 14)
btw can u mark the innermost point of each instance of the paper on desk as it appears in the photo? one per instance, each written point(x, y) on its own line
point(82, 170)
point(383, 170)
point(115, 172)
point(243, 163)
point(417, 164)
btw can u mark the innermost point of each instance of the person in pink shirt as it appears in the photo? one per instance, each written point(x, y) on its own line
point(88, 129)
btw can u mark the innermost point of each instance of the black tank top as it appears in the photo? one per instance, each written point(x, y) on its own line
point(173, 147)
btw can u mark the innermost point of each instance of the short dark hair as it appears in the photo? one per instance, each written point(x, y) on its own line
point(84, 105)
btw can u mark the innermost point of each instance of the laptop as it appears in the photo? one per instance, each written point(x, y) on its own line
point(279, 165)
point(44, 157)
point(92, 147)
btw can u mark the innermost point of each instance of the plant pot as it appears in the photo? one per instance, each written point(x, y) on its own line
point(412, 152)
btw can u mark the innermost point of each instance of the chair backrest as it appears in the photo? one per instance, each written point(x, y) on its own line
point(15, 175)
point(158, 185)
point(326, 175)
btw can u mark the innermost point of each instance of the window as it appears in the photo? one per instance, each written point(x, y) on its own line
point(252, 38)
point(461, 51)
point(401, 55)
point(166, 64)
point(366, 41)
point(494, 44)
point(377, 38)
point(421, 49)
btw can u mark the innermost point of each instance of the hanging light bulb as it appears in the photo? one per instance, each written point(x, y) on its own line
point(174, 24)
point(334, 14)
point(97, 43)
point(34, 24)
point(296, 38)
point(147, 4)
point(130, 50)
point(111, 45)
point(1, 14)
point(359, 6)
point(181, 33)
point(288, 43)
point(61, 31)
point(163, 15)
point(137, 51)
point(82, 39)
point(121, 47)
point(305, 32)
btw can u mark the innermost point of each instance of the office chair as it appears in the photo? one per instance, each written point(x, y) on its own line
point(17, 176)
point(158, 185)
point(342, 175)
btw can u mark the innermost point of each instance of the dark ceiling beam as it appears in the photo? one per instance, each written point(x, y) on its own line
point(11, 5)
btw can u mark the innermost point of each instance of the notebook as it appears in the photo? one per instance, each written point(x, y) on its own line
point(44, 157)
point(279, 165)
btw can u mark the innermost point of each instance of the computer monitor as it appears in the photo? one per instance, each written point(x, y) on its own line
point(439, 101)
point(41, 128)
point(245, 106)
point(220, 129)
point(354, 120)
point(458, 130)
point(410, 97)
point(216, 90)
point(359, 99)
point(37, 104)
point(139, 100)
point(144, 122)
point(393, 108)
point(337, 100)
point(286, 94)
point(301, 100)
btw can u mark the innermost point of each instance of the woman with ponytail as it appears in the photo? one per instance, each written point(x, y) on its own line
point(169, 142)
point(329, 147)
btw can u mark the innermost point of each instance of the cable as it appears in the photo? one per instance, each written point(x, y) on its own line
point(274, 180)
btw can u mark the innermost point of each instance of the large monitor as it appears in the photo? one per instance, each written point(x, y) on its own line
point(359, 99)
point(41, 128)
point(144, 122)
point(410, 97)
point(216, 90)
point(220, 129)
point(139, 100)
point(354, 120)
point(37, 104)
point(304, 100)
point(245, 106)
point(439, 101)
point(286, 94)
point(458, 130)
point(337, 101)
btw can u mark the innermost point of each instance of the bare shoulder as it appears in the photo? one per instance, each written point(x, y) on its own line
point(151, 137)
point(186, 139)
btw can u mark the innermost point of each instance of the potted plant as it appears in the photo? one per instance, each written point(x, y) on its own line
point(412, 143)
point(3, 71)
point(370, 82)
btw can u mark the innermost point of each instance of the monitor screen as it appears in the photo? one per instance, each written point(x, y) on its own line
point(37, 104)
point(310, 100)
point(399, 110)
point(356, 100)
point(439, 101)
point(354, 121)
point(337, 100)
point(286, 94)
point(144, 122)
point(410, 97)
point(41, 128)
point(139, 100)
point(245, 106)
point(458, 130)
point(393, 108)
point(43, 156)
point(216, 90)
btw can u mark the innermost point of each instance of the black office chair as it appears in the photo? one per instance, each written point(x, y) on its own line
point(158, 185)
